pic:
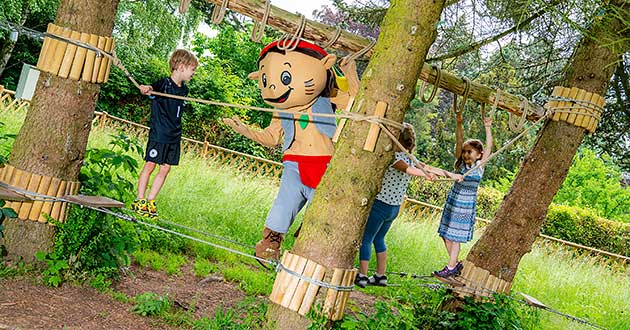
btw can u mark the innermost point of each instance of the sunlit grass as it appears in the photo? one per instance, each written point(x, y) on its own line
point(234, 205)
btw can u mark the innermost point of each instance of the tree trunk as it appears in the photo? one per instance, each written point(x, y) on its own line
point(7, 45)
point(334, 223)
point(521, 214)
point(53, 138)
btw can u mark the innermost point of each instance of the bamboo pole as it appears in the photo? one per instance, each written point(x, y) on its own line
point(102, 41)
point(79, 58)
point(293, 281)
point(33, 185)
point(37, 206)
point(311, 292)
point(47, 207)
point(320, 33)
point(89, 59)
point(68, 57)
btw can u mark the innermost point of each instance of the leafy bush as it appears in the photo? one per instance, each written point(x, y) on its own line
point(53, 275)
point(585, 227)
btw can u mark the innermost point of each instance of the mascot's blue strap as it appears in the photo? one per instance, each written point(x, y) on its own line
point(325, 125)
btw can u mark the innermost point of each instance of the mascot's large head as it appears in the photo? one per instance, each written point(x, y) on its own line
point(289, 79)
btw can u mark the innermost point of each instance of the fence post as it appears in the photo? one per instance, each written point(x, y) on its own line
point(206, 145)
point(403, 205)
point(103, 120)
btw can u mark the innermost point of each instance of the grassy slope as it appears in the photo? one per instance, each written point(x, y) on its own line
point(234, 205)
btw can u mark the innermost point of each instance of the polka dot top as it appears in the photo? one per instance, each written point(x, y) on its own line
point(395, 182)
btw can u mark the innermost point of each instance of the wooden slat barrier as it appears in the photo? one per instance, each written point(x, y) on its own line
point(265, 167)
point(77, 63)
point(45, 185)
point(584, 114)
point(479, 282)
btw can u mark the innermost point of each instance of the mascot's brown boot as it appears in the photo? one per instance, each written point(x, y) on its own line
point(269, 246)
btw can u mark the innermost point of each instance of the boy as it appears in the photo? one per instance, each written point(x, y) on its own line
point(165, 133)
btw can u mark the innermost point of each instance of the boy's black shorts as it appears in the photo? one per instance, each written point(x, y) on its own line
point(162, 153)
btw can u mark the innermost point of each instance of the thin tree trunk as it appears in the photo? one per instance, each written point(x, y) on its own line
point(521, 214)
point(6, 46)
point(334, 223)
point(54, 136)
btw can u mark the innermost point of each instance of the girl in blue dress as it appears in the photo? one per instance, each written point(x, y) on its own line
point(458, 216)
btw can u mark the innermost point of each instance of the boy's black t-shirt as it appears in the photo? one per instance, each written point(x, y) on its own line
point(166, 112)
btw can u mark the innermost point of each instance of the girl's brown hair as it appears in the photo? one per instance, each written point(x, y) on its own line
point(407, 137)
point(475, 144)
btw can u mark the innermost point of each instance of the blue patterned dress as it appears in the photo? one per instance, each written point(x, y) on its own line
point(458, 217)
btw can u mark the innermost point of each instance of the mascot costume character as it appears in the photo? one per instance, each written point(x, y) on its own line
point(302, 82)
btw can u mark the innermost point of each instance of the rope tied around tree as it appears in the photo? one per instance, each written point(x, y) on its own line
point(258, 30)
point(289, 42)
point(436, 85)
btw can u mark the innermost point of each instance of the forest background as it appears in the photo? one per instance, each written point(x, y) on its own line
point(516, 46)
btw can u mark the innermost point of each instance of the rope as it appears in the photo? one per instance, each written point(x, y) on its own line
point(334, 38)
point(459, 109)
point(436, 84)
point(258, 30)
point(362, 52)
point(595, 110)
point(218, 12)
point(525, 111)
point(279, 266)
point(288, 43)
point(326, 285)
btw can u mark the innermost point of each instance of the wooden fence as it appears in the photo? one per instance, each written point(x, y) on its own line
point(260, 166)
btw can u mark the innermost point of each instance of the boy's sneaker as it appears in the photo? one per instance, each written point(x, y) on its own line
point(361, 280)
point(140, 206)
point(152, 210)
point(459, 267)
point(378, 280)
point(446, 272)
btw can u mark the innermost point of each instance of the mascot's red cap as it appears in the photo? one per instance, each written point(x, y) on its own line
point(301, 44)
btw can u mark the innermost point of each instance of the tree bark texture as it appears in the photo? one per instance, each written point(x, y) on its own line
point(334, 223)
point(321, 34)
point(54, 136)
point(521, 214)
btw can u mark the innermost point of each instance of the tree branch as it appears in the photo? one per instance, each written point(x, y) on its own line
point(479, 44)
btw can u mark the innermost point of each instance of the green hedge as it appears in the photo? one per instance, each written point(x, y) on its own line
point(569, 223)
point(585, 227)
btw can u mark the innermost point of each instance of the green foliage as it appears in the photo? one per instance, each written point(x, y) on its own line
point(150, 304)
point(250, 314)
point(252, 282)
point(503, 313)
point(106, 172)
point(585, 227)
point(5, 212)
point(594, 182)
point(203, 267)
point(53, 275)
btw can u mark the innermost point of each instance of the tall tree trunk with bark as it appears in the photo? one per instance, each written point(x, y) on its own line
point(7, 45)
point(521, 214)
point(334, 223)
point(54, 136)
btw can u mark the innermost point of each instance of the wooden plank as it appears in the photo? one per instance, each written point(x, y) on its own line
point(340, 304)
point(300, 289)
point(59, 51)
point(10, 195)
point(47, 207)
point(372, 137)
point(102, 41)
point(37, 206)
point(44, 51)
point(33, 185)
point(332, 295)
point(342, 121)
point(577, 107)
point(94, 201)
point(276, 287)
point(109, 62)
point(105, 63)
point(282, 289)
point(56, 209)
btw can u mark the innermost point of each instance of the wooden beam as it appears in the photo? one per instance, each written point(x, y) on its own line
point(320, 33)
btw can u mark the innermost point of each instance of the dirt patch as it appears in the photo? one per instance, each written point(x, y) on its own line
point(27, 305)
point(185, 290)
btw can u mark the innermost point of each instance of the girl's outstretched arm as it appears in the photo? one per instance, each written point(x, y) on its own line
point(487, 123)
point(411, 170)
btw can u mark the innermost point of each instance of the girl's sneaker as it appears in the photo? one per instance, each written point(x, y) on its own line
point(446, 272)
point(378, 280)
point(152, 210)
point(361, 280)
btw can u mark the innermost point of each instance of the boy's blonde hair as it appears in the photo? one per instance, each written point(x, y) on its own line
point(182, 56)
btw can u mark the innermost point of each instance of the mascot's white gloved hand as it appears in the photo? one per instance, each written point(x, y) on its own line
point(236, 124)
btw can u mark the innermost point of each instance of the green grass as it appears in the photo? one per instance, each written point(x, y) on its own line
point(224, 202)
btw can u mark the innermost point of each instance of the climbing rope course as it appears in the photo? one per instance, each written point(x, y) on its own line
point(431, 283)
point(290, 43)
